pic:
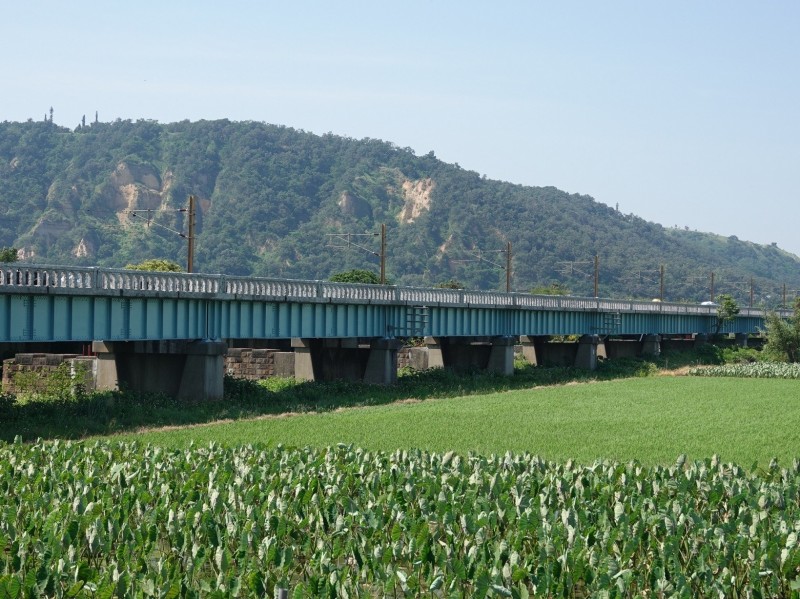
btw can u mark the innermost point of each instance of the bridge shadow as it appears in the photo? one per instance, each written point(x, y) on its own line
point(83, 415)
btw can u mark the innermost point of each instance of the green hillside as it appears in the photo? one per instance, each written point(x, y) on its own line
point(271, 197)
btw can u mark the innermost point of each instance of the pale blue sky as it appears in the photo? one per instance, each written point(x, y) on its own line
point(684, 113)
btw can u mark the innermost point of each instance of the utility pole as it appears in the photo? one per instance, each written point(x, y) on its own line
point(596, 274)
point(751, 292)
point(712, 285)
point(383, 253)
point(190, 238)
point(508, 267)
point(661, 285)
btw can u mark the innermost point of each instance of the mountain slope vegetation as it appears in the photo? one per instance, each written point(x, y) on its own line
point(279, 202)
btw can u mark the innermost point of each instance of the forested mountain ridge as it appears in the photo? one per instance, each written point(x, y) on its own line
point(271, 200)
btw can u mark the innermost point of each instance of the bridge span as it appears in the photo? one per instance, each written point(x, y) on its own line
point(186, 318)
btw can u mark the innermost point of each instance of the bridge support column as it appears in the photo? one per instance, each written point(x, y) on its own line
point(602, 351)
point(528, 343)
point(501, 356)
point(371, 361)
point(494, 354)
point(587, 352)
point(435, 352)
point(741, 339)
point(187, 370)
point(651, 345)
point(304, 360)
point(382, 362)
point(700, 339)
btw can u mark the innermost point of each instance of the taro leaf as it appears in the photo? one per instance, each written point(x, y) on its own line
point(75, 589)
point(501, 591)
point(791, 540)
point(482, 584)
point(175, 590)
point(402, 576)
point(300, 591)
point(105, 592)
point(255, 582)
point(10, 586)
point(619, 510)
point(397, 532)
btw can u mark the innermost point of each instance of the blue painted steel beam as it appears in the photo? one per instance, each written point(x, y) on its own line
point(73, 304)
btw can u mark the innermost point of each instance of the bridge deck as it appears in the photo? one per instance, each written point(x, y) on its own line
point(57, 303)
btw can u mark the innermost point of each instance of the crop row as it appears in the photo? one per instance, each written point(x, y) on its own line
point(763, 370)
point(106, 519)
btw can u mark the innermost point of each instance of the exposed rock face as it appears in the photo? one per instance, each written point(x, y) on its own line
point(50, 227)
point(137, 187)
point(83, 249)
point(353, 205)
point(417, 195)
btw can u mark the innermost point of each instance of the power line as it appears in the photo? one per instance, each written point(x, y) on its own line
point(347, 243)
point(478, 257)
point(569, 268)
point(189, 237)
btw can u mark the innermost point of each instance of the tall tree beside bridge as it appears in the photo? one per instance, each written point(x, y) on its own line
point(8, 254)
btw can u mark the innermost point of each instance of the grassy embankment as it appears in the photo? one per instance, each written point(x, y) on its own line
point(623, 415)
point(652, 419)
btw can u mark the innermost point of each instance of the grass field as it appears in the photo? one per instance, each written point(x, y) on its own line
point(652, 419)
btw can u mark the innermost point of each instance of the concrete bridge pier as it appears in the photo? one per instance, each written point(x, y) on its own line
point(700, 339)
point(651, 345)
point(190, 371)
point(372, 361)
point(494, 354)
point(529, 352)
point(741, 339)
point(586, 356)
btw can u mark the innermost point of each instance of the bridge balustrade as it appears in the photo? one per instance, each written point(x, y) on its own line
point(14, 275)
point(355, 291)
point(113, 279)
point(488, 298)
point(423, 295)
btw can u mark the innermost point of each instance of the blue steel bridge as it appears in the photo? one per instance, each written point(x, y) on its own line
point(168, 331)
point(56, 303)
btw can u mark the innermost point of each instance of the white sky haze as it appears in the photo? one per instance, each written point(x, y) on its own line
point(684, 113)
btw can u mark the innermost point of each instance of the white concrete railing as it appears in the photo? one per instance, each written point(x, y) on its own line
point(33, 277)
point(169, 282)
point(59, 277)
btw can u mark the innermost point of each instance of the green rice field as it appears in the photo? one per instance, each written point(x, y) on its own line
point(653, 420)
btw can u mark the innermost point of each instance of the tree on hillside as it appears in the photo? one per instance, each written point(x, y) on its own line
point(783, 336)
point(726, 311)
point(552, 289)
point(450, 284)
point(156, 265)
point(356, 275)
point(8, 254)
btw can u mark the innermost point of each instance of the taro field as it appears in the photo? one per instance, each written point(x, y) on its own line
point(122, 519)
